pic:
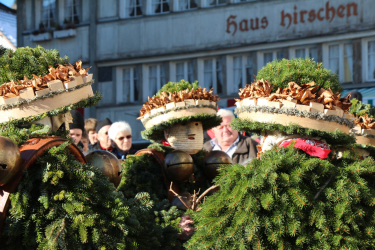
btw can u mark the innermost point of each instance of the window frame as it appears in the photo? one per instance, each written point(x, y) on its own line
point(341, 45)
point(201, 72)
point(292, 51)
point(231, 88)
point(260, 56)
point(122, 7)
point(176, 6)
point(79, 12)
point(120, 84)
point(150, 9)
point(173, 70)
point(54, 19)
point(365, 60)
point(206, 4)
point(146, 78)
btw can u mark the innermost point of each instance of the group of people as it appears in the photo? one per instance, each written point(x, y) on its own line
point(92, 134)
point(116, 138)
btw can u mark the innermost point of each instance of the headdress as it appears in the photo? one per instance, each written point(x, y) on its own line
point(177, 103)
point(304, 108)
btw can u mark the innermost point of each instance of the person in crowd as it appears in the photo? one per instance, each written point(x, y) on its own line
point(85, 142)
point(90, 125)
point(104, 142)
point(237, 146)
point(76, 127)
point(121, 135)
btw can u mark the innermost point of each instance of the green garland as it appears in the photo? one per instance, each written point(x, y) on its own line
point(156, 133)
point(91, 101)
point(336, 138)
point(297, 113)
point(50, 94)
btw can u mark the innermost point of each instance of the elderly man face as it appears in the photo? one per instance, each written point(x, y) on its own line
point(224, 133)
point(103, 137)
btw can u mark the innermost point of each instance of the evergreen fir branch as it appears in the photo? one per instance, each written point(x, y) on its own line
point(28, 61)
point(335, 138)
point(300, 71)
point(341, 217)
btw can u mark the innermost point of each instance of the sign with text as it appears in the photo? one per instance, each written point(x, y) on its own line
point(296, 16)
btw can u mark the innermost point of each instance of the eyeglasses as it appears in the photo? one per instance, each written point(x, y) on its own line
point(122, 137)
point(224, 125)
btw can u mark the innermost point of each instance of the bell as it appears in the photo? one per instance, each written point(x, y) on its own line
point(186, 197)
point(178, 166)
point(10, 160)
point(108, 164)
point(213, 161)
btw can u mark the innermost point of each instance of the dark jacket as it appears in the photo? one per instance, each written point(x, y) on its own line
point(96, 146)
point(123, 157)
point(246, 149)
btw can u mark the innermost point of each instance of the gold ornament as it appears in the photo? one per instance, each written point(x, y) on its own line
point(213, 161)
point(178, 166)
point(108, 164)
point(10, 160)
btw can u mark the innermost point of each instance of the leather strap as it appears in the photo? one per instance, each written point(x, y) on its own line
point(160, 158)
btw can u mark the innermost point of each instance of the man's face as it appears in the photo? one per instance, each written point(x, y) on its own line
point(188, 138)
point(224, 133)
point(103, 137)
point(93, 137)
point(76, 135)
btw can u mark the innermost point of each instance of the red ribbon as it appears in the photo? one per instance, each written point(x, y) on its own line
point(310, 146)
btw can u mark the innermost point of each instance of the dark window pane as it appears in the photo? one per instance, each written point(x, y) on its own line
point(104, 74)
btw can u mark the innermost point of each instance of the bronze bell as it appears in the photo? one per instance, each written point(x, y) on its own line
point(213, 161)
point(10, 160)
point(108, 164)
point(178, 166)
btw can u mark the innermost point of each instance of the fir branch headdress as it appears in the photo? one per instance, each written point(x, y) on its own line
point(175, 103)
point(307, 101)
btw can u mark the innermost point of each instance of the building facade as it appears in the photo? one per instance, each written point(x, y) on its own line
point(135, 46)
point(8, 27)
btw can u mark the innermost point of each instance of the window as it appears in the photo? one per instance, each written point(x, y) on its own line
point(241, 70)
point(237, 72)
point(185, 70)
point(186, 5)
point(160, 6)
point(340, 61)
point(269, 56)
point(156, 78)
point(371, 60)
point(213, 75)
point(48, 14)
point(128, 85)
point(133, 8)
point(311, 52)
point(217, 2)
point(72, 11)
